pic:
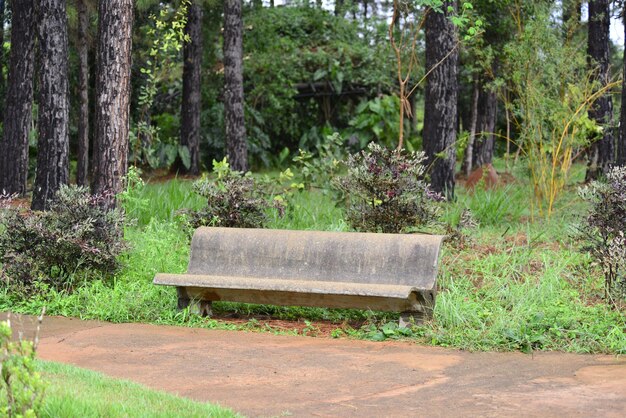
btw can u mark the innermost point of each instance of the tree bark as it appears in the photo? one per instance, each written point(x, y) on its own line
point(110, 154)
point(53, 142)
point(19, 99)
point(440, 115)
point(469, 151)
point(2, 81)
point(621, 141)
point(486, 125)
point(192, 82)
point(83, 94)
point(236, 146)
point(602, 152)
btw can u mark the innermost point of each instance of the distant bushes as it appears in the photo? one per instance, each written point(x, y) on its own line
point(73, 241)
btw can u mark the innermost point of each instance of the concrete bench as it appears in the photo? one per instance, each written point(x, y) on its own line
point(381, 272)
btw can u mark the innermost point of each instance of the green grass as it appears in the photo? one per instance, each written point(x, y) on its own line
point(522, 285)
point(74, 392)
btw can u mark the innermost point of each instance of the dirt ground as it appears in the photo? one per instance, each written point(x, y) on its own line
point(265, 375)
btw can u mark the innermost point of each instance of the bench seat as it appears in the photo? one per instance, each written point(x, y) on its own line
point(297, 292)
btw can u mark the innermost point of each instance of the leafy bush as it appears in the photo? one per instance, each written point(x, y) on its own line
point(75, 236)
point(317, 171)
point(233, 200)
point(22, 388)
point(386, 191)
point(605, 226)
point(377, 120)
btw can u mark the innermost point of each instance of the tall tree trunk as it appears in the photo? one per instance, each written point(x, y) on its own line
point(83, 88)
point(110, 154)
point(54, 106)
point(2, 81)
point(621, 141)
point(486, 125)
point(441, 99)
point(602, 152)
point(192, 82)
point(19, 99)
point(236, 146)
point(468, 161)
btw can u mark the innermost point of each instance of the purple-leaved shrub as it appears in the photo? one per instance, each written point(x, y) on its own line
point(75, 239)
point(605, 227)
point(386, 192)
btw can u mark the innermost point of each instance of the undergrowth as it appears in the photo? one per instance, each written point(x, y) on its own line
point(518, 286)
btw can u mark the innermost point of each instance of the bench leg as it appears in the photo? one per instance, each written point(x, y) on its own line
point(198, 307)
point(411, 318)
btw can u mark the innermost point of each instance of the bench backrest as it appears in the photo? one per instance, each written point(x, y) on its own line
point(403, 259)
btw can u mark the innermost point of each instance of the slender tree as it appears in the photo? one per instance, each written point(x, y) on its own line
point(110, 154)
point(621, 141)
point(2, 81)
point(53, 123)
point(440, 117)
point(236, 146)
point(192, 82)
point(485, 126)
point(82, 47)
point(602, 152)
point(19, 99)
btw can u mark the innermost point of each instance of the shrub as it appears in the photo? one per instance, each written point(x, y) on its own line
point(22, 388)
point(386, 191)
point(75, 236)
point(233, 200)
point(318, 170)
point(605, 225)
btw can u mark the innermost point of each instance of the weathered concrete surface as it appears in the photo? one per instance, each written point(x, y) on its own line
point(268, 375)
point(394, 272)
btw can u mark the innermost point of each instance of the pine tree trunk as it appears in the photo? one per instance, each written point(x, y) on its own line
point(54, 106)
point(83, 94)
point(19, 99)
point(602, 152)
point(621, 141)
point(2, 81)
point(469, 151)
point(192, 82)
point(440, 116)
point(236, 146)
point(110, 154)
point(486, 125)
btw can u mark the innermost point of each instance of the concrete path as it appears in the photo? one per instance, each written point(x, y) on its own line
point(268, 375)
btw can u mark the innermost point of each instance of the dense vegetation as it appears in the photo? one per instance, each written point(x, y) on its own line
point(528, 265)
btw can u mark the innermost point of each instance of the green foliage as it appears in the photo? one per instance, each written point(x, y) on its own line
point(605, 225)
point(314, 47)
point(377, 120)
point(385, 191)
point(552, 91)
point(318, 170)
point(51, 248)
point(166, 37)
point(233, 200)
point(497, 206)
point(22, 388)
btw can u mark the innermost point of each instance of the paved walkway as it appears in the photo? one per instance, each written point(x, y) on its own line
point(268, 375)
